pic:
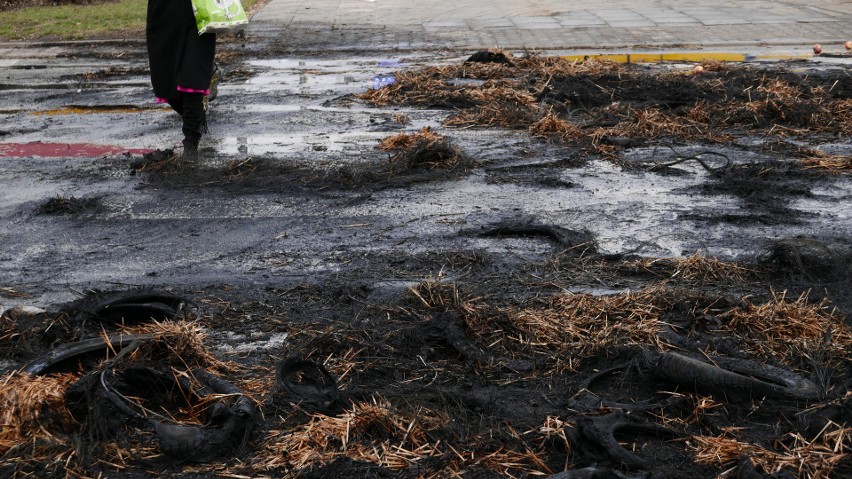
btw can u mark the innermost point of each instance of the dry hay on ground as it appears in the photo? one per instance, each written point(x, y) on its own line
point(424, 148)
point(376, 432)
point(596, 100)
point(552, 125)
point(697, 267)
point(184, 344)
point(574, 327)
point(795, 333)
point(414, 435)
point(830, 163)
point(370, 431)
point(39, 435)
point(806, 458)
point(33, 418)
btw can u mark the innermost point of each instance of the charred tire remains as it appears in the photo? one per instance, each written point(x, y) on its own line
point(734, 378)
point(110, 399)
point(134, 307)
point(601, 432)
point(70, 356)
point(307, 381)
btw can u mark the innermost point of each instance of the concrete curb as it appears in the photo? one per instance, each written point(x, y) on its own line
point(697, 57)
point(689, 57)
point(74, 43)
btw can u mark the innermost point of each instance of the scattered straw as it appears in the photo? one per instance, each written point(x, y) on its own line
point(701, 407)
point(693, 268)
point(185, 343)
point(370, 431)
point(807, 459)
point(13, 293)
point(829, 163)
point(715, 107)
point(424, 148)
point(551, 125)
point(555, 427)
point(32, 408)
point(577, 326)
point(375, 432)
point(793, 332)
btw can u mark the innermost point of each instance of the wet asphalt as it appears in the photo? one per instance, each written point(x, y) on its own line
point(265, 207)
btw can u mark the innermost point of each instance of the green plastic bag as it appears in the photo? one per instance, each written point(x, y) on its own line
point(218, 15)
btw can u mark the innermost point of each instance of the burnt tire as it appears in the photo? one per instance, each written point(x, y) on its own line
point(601, 431)
point(307, 381)
point(734, 378)
point(67, 356)
point(132, 307)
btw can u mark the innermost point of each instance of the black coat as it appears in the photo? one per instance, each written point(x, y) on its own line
point(177, 55)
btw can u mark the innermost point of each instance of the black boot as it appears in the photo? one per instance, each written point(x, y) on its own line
point(190, 150)
point(194, 124)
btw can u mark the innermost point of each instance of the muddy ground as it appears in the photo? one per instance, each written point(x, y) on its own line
point(463, 286)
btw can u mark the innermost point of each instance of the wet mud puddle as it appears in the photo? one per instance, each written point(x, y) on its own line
point(281, 128)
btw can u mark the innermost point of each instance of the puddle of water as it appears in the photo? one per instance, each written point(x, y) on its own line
point(278, 143)
point(303, 83)
point(598, 291)
point(330, 65)
point(831, 203)
point(466, 82)
point(238, 343)
point(310, 75)
point(624, 210)
point(272, 108)
point(380, 81)
point(64, 150)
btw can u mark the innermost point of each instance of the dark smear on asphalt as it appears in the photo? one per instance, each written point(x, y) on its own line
point(70, 206)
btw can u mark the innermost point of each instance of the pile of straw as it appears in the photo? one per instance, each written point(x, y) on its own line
point(578, 326)
point(369, 431)
point(517, 97)
point(697, 267)
point(32, 409)
point(423, 148)
point(807, 459)
point(793, 332)
point(375, 432)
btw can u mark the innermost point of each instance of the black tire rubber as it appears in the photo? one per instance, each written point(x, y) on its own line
point(592, 472)
point(235, 424)
point(601, 431)
point(71, 351)
point(733, 378)
point(131, 307)
point(307, 380)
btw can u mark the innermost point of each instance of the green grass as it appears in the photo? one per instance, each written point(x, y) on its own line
point(121, 19)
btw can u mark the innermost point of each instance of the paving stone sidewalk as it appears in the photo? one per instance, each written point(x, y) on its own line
point(551, 24)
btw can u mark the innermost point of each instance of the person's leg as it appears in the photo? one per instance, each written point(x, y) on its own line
point(176, 104)
point(194, 123)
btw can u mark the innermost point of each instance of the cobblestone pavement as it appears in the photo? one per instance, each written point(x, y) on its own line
point(551, 24)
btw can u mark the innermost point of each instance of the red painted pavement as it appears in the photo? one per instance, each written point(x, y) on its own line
point(64, 150)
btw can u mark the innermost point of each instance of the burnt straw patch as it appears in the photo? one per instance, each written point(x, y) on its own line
point(71, 206)
point(605, 107)
point(765, 188)
point(505, 372)
point(400, 160)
